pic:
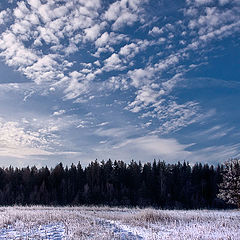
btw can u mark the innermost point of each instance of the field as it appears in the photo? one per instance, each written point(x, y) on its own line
point(72, 223)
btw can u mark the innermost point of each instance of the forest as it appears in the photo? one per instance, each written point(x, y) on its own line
point(115, 183)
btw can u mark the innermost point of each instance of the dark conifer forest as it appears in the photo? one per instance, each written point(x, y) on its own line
point(115, 183)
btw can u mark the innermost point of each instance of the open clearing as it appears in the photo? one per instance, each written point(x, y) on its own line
point(67, 223)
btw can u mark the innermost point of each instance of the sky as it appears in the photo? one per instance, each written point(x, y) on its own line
point(130, 79)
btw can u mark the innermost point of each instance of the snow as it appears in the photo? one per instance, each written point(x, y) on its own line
point(51, 231)
point(73, 223)
point(120, 232)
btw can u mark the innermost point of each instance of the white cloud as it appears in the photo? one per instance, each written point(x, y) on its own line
point(105, 42)
point(169, 149)
point(145, 96)
point(45, 12)
point(72, 48)
point(111, 132)
point(49, 23)
point(191, 11)
point(22, 29)
point(223, 2)
point(13, 135)
point(144, 149)
point(222, 32)
point(215, 22)
point(43, 70)
point(60, 11)
point(60, 112)
point(155, 30)
point(91, 4)
point(113, 12)
point(102, 40)
point(57, 19)
point(43, 34)
point(130, 50)
point(126, 18)
point(215, 154)
point(139, 77)
point(113, 62)
point(127, 49)
point(171, 83)
point(4, 16)
point(203, 2)
point(156, 146)
point(22, 152)
point(97, 63)
point(28, 95)
point(14, 51)
point(33, 137)
point(92, 32)
point(77, 85)
point(174, 116)
point(47, 35)
point(168, 62)
point(103, 124)
point(123, 14)
point(215, 132)
point(19, 141)
point(34, 3)
point(21, 10)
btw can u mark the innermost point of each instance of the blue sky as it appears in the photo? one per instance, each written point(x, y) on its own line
point(127, 79)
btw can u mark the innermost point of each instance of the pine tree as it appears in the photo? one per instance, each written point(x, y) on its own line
point(229, 189)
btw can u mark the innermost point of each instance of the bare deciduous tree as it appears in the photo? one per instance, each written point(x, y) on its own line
point(229, 189)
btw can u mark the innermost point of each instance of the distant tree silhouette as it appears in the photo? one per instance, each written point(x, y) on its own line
point(114, 183)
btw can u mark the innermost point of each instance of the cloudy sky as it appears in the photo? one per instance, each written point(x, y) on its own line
point(126, 79)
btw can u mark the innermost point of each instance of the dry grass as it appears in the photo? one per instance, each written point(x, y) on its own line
point(100, 222)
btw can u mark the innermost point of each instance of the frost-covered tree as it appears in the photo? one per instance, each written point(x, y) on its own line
point(229, 189)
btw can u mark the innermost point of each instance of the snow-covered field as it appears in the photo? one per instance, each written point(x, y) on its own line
point(116, 223)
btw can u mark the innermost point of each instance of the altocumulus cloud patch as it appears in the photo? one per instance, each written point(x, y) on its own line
point(130, 64)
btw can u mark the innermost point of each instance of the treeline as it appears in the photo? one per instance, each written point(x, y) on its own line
point(114, 183)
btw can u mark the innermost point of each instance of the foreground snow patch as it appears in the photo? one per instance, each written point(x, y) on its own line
point(120, 231)
point(50, 232)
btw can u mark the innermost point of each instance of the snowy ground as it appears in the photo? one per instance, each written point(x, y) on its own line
point(68, 223)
